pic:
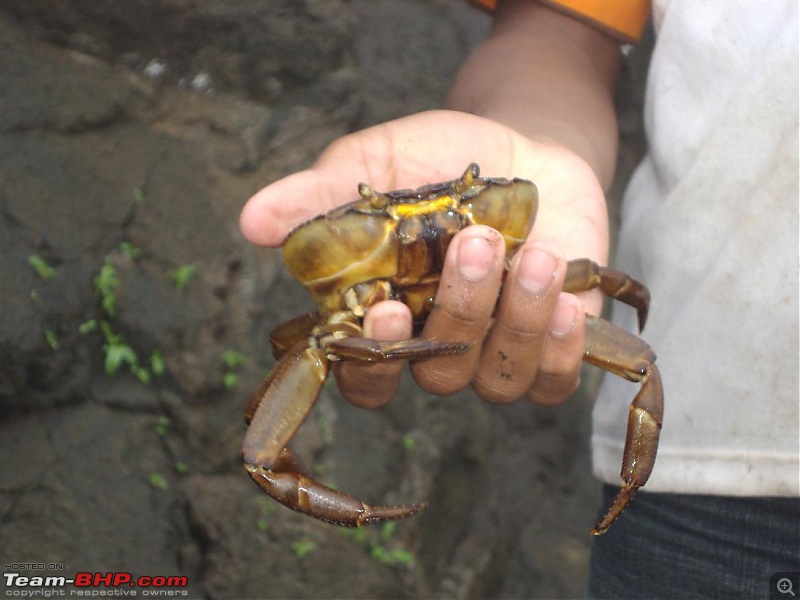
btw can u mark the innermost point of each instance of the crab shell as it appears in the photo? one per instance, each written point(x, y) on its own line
point(401, 237)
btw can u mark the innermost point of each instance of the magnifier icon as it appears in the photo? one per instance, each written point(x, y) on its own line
point(784, 586)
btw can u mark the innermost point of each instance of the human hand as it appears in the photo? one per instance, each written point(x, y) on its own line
point(533, 342)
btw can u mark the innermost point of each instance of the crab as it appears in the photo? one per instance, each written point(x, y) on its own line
point(392, 246)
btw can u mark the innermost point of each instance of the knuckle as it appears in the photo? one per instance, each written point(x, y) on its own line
point(367, 386)
point(552, 389)
point(443, 376)
point(518, 335)
point(499, 388)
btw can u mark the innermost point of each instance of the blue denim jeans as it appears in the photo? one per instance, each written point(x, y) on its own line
point(693, 546)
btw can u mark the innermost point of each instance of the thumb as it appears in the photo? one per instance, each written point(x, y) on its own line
point(269, 216)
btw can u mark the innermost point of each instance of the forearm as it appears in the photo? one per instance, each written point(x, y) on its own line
point(548, 77)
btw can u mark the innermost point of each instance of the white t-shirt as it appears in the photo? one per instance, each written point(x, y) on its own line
point(710, 224)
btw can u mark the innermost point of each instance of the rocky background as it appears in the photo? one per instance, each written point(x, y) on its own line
point(135, 318)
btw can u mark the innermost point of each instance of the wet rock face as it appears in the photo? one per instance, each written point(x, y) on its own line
point(120, 190)
point(260, 47)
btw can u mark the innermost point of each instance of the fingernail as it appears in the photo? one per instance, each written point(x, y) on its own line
point(564, 316)
point(391, 327)
point(386, 323)
point(536, 270)
point(475, 257)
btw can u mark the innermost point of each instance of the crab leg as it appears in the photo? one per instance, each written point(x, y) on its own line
point(289, 482)
point(280, 405)
point(287, 334)
point(369, 350)
point(617, 351)
point(584, 274)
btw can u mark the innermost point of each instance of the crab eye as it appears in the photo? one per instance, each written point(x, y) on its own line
point(510, 208)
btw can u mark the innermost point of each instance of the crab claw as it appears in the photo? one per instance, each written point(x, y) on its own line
point(584, 274)
point(619, 352)
point(277, 409)
point(289, 482)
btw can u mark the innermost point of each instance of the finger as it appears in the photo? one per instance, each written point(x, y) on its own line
point(559, 371)
point(371, 385)
point(515, 344)
point(463, 307)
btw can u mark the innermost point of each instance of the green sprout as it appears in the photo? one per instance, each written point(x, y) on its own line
point(232, 360)
point(142, 374)
point(408, 441)
point(376, 545)
point(87, 327)
point(51, 338)
point(182, 468)
point(157, 481)
point(138, 195)
point(230, 380)
point(392, 557)
point(163, 426)
point(157, 363)
point(182, 275)
point(303, 548)
point(42, 268)
point(105, 283)
point(118, 353)
point(131, 251)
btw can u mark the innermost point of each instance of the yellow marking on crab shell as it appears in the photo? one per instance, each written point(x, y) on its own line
point(401, 211)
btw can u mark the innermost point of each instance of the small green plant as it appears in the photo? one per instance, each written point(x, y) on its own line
point(182, 468)
point(157, 481)
point(183, 275)
point(130, 250)
point(157, 364)
point(42, 268)
point(163, 425)
point(303, 548)
point(376, 545)
point(232, 360)
point(51, 338)
point(105, 283)
point(118, 353)
point(87, 327)
point(138, 195)
point(408, 441)
point(390, 556)
point(230, 380)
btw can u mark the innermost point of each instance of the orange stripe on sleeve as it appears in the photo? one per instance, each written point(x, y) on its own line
point(622, 19)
